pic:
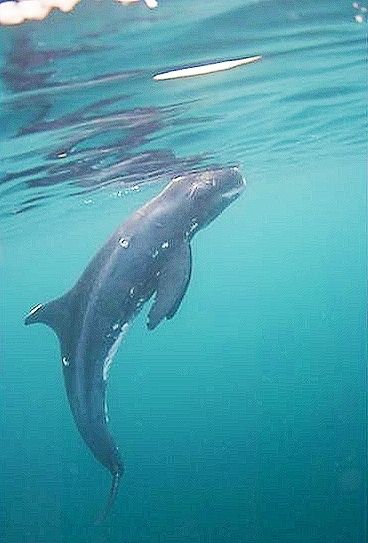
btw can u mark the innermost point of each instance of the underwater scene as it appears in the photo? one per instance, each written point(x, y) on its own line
point(183, 219)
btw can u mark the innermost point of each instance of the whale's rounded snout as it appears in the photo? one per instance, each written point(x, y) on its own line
point(231, 182)
point(238, 178)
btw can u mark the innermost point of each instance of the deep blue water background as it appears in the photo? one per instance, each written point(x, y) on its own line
point(244, 418)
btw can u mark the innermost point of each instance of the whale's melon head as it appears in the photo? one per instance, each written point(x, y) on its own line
point(205, 194)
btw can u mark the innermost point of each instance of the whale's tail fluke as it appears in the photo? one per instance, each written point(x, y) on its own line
point(114, 489)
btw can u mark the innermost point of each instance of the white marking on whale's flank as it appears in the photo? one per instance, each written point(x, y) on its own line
point(206, 69)
point(66, 361)
point(35, 309)
point(124, 243)
point(114, 347)
point(106, 411)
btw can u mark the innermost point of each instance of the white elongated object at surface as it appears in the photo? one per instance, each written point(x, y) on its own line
point(149, 3)
point(206, 68)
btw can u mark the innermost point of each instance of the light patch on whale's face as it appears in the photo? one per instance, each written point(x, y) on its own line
point(210, 192)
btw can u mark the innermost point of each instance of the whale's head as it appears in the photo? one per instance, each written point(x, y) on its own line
point(205, 194)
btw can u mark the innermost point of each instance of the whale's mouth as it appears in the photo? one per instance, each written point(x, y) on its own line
point(238, 187)
point(234, 193)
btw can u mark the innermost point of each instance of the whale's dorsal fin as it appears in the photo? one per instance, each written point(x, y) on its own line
point(172, 285)
point(55, 314)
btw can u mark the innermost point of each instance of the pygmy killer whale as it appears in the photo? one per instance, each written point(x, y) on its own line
point(149, 254)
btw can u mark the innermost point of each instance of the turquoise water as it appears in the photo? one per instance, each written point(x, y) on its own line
point(244, 418)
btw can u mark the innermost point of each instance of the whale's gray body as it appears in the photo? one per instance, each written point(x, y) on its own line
point(148, 254)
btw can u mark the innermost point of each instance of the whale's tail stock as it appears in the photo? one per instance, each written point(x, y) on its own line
point(114, 489)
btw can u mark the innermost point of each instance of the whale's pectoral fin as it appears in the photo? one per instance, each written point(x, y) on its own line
point(172, 285)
